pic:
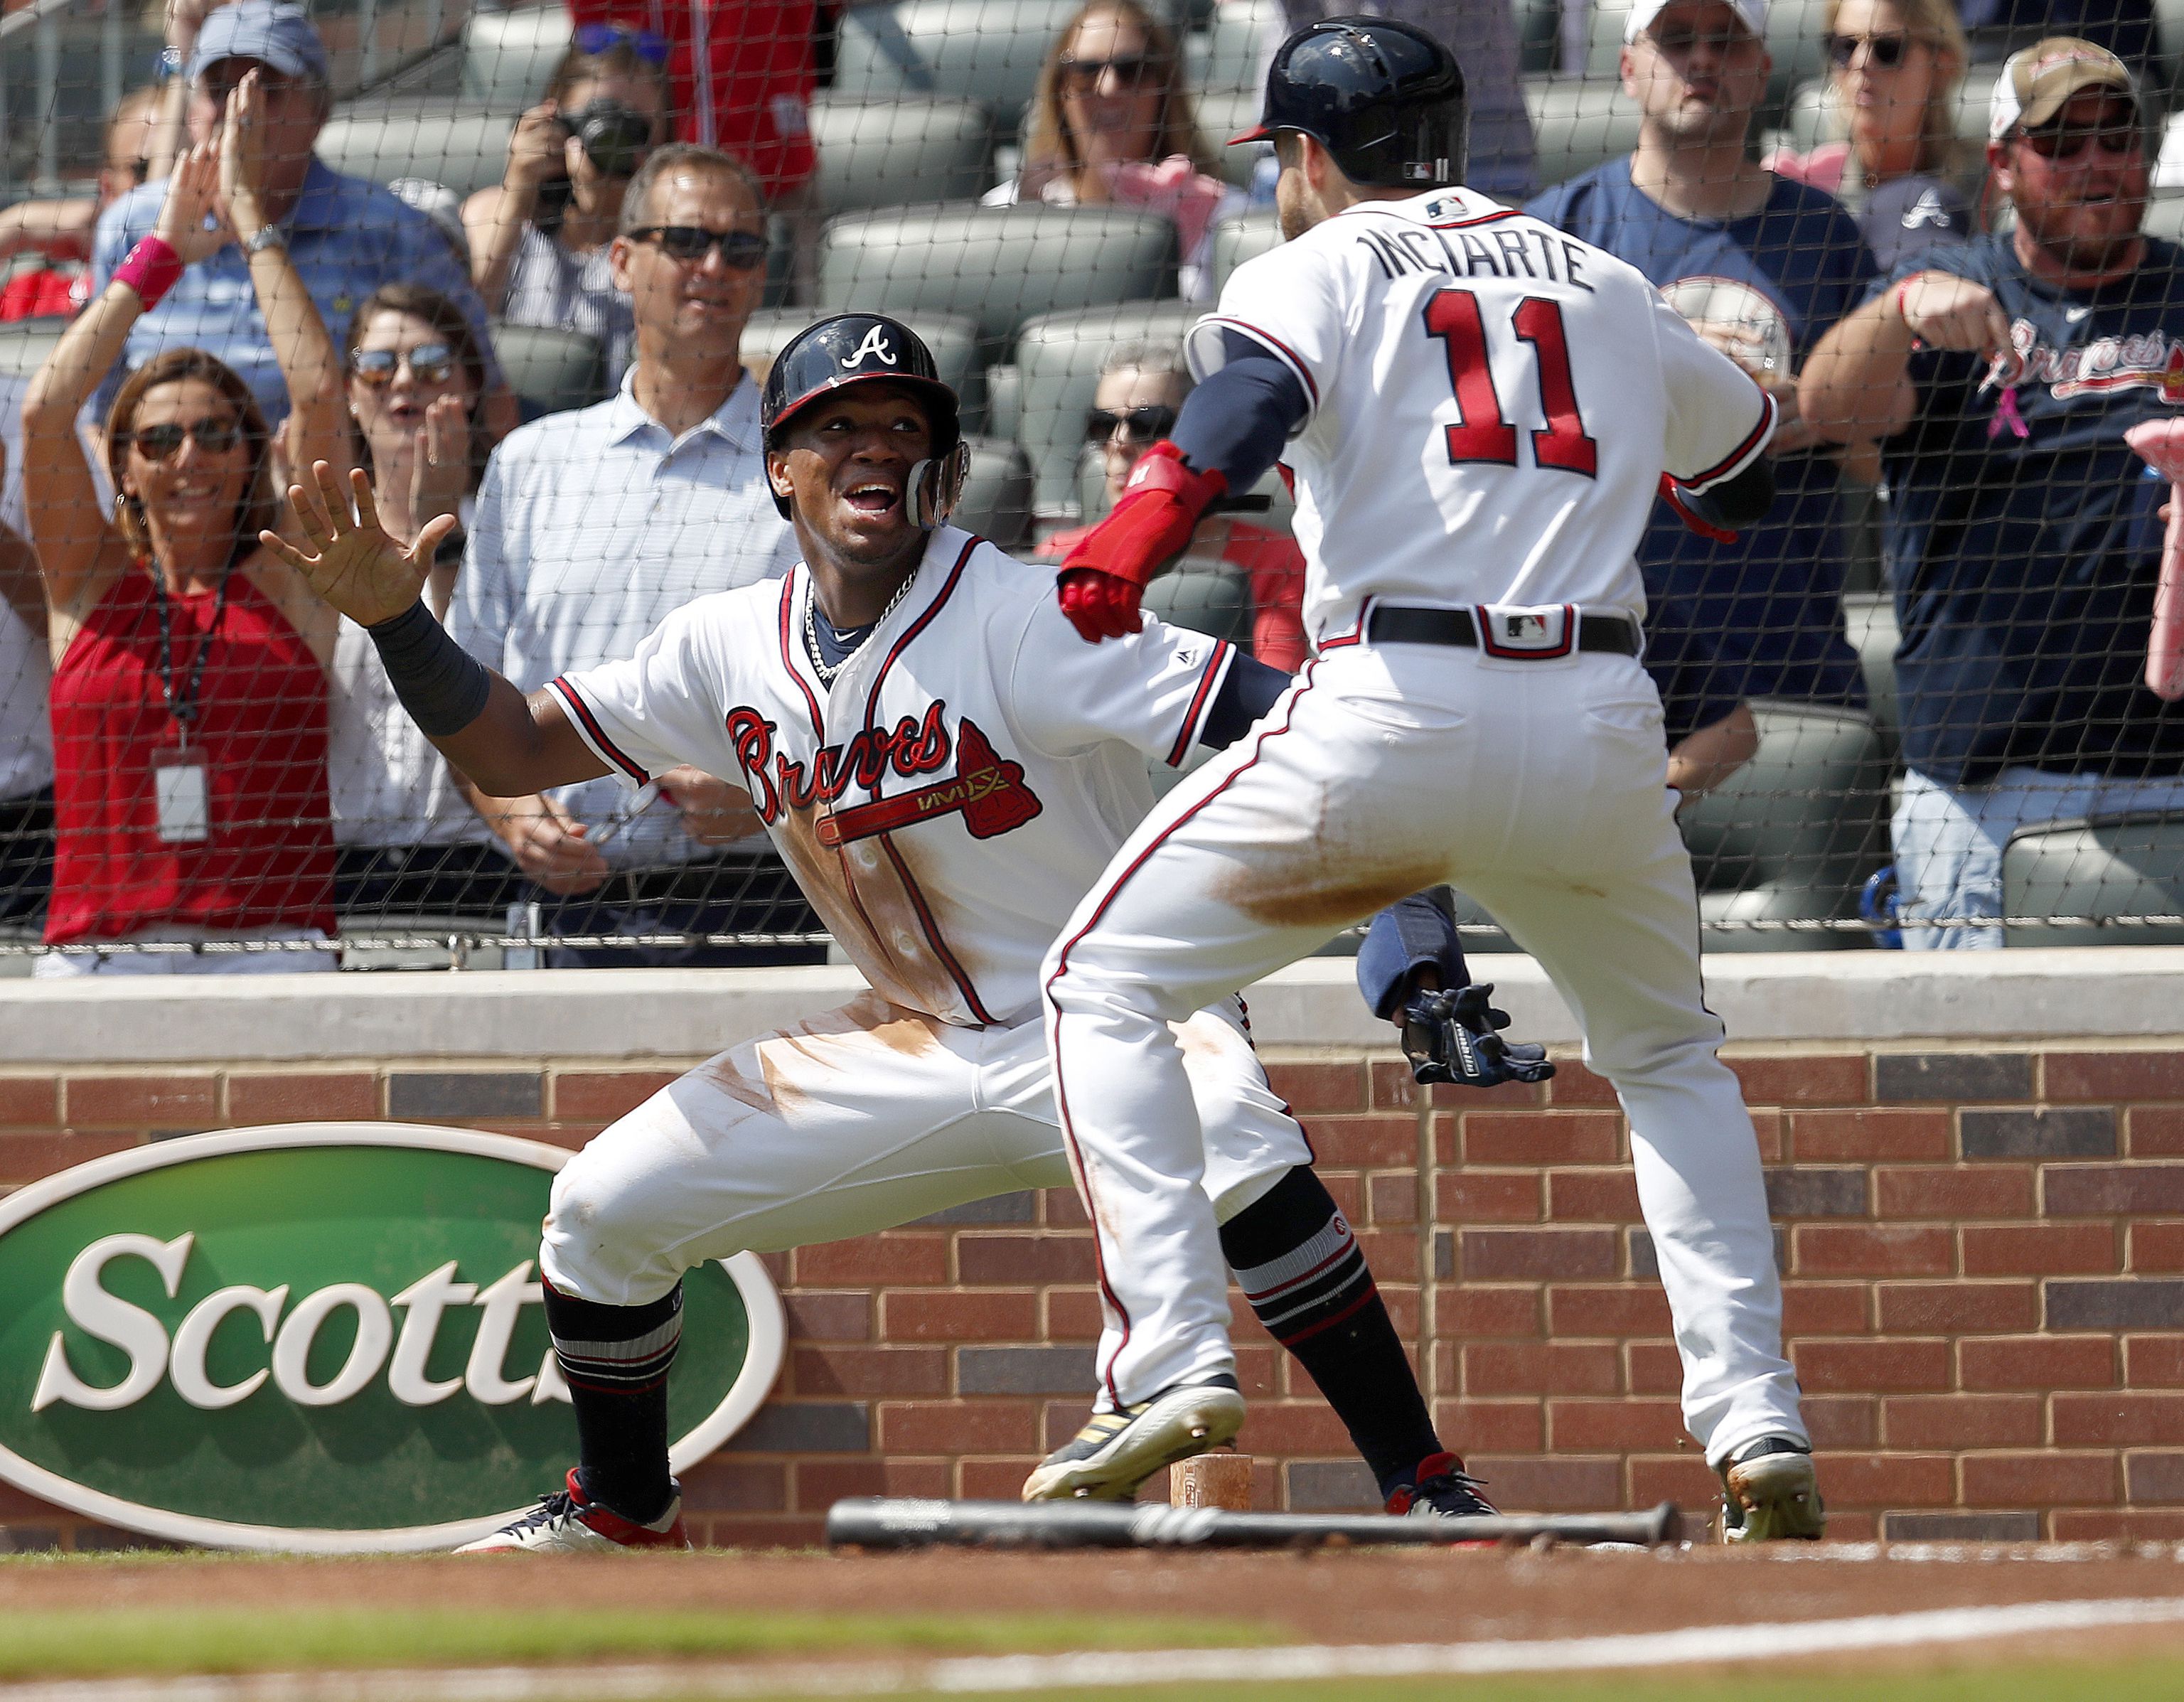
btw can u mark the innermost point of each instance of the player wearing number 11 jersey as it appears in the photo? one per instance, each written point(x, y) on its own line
point(1477, 410)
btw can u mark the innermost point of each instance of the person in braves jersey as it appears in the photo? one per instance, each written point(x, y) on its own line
point(1760, 614)
point(2024, 534)
point(1478, 410)
point(947, 768)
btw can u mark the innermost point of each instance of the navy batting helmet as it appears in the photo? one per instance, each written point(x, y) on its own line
point(1384, 98)
point(868, 348)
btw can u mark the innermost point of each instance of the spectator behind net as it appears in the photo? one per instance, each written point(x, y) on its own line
point(1112, 124)
point(407, 842)
point(1142, 386)
point(189, 695)
point(1894, 68)
point(539, 241)
point(60, 231)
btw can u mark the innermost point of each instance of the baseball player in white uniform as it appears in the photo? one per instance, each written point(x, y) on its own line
point(947, 767)
point(1477, 410)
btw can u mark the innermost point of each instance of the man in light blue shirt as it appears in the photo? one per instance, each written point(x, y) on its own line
point(593, 527)
point(347, 237)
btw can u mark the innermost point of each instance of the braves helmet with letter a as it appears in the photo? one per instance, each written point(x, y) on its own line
point(1384, 98)
point(863, 348)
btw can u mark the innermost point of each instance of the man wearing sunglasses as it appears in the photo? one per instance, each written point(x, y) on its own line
point(346, 236)
point(2023, 534)
point(593, 527)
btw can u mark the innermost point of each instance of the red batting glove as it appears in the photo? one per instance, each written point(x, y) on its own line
point(1103, 577)
point(1672, 494)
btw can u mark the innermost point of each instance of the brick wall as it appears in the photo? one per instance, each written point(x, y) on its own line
point(1983, 1253)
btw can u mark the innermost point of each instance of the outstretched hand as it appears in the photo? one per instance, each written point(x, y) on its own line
point(354, 566)
point(193, 198)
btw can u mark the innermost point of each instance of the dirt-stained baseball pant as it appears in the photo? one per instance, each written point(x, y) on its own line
point(1538, 787)
point(860, 1119)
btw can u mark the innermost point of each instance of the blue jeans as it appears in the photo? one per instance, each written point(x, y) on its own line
point(1949, 842)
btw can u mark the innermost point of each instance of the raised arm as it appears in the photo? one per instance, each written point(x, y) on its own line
point(495, 219)
point(1857, 385)
point(79, 551)
point(508, 746)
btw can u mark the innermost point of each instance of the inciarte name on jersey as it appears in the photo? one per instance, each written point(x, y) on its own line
point(1528, 252)
point(987, 791)
point(2153, 361)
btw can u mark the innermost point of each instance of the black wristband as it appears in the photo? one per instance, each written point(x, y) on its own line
point(443, 686)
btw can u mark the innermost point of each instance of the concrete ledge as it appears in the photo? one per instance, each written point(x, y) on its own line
point(1803, 999)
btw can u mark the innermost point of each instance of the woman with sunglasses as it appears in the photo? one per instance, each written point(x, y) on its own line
point(1142, 387)
point(539, 242)
point(189, 688)
point(1894, 69)
point(1112, 123)
point(406, 841)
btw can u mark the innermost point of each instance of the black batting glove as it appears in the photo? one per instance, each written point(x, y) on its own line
point(1454, 1037)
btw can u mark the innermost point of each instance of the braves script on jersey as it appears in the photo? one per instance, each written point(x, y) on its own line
point(946, 800)
point(1531, 350)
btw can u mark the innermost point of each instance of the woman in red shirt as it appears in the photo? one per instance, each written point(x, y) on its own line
point(189, 688)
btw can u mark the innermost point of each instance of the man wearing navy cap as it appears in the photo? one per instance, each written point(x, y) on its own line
point(346, 236)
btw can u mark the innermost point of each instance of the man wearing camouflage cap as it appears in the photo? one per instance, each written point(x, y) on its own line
point(2024, 536)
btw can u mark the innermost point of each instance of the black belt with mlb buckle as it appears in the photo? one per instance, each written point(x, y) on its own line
point(1399, 624)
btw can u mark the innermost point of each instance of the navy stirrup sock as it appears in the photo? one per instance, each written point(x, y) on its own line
point(614, 1361)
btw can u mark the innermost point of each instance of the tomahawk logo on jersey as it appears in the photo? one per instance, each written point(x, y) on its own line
point(1549, 416)
point(961, 782)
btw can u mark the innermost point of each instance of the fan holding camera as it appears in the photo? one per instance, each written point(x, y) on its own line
point(538, 243)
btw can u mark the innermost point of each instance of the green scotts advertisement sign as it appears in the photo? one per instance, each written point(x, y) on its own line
point(324, 1338)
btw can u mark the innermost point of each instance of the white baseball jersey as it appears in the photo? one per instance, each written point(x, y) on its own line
point(1491, 405)
point(965, 778)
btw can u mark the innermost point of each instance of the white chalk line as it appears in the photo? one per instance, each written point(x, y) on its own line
point(605, 1681)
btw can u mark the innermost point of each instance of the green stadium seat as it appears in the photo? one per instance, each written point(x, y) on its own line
point(988, 51)
point(510, 57)
point(1237, 240)
point(996, 499)
point(1001, 265)
point(2122, 865)
point(1004, 400)
point(24, 343)
point(1058, 358)
point(1232, 52)
point(1206, 595)
point(552, 370)
point(952, 337)
point(1577, 123)
point(1223, 113)
point(885, 152)
point(441, 138)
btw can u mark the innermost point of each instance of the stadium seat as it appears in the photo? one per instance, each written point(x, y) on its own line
point(441, 138)
point(1233, 54)
point(1206, 595)
point(1539, 36)
point(1237, 240)
point(988, 51)
point(1223, 113)
point(952, 337)
point(1001, 265)
point(1870, 620)
point(550, 370)
point(24, 343)
point(888, 153)
point(2106, 866)
point(1793, 833)
point(1004, 400)
point(996, 500)
point(1057, 362)
point(1578, 122)
point(510, 57)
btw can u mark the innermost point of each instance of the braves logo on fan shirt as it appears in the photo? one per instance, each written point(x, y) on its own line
point(2150, 361)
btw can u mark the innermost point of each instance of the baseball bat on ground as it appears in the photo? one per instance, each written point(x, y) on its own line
point(2160, 444)
point(879, 1523)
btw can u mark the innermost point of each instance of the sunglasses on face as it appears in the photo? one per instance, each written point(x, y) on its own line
point(740, 251)
point(1888, 51)
point(429, 363)
point(163, 442)
point(1677, 42)
point(2068, 143)
point(596, 38)
point(1139, 425)
point(1085, 75)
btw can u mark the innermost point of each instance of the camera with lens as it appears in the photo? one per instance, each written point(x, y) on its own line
point(615, 136)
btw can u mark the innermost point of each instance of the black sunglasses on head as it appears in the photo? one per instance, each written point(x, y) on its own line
point(1129, 69)
point(1140, 425)
point(162, 443)
point(740, 250)
point(1886, 51)
point(429, 363)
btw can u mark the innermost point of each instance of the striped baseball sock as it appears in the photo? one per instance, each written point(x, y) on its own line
point(1307, 1279)
point(614, 1361)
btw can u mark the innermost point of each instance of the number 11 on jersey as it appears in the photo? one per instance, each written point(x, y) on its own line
point(1485, 434)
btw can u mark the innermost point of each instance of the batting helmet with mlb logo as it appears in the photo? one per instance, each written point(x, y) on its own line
point(1384, 99)
point(861, 349)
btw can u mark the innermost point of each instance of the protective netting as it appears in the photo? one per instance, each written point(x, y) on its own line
point(1922, 680)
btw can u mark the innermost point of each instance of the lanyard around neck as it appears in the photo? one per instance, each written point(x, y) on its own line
point(183, 706)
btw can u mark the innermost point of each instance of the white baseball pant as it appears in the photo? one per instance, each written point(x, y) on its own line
point(1538, 787)
point(859, 1120)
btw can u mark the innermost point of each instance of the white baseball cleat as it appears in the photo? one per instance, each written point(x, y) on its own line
point(567, 1522)
point(1772, 1492)
point(1116, 1451)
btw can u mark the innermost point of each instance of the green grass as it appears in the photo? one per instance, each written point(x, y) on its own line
point(78, 1643)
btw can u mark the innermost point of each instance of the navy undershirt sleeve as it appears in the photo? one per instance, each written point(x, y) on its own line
point(1238, 419)
point(1248, 693)
point(1742, 501)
